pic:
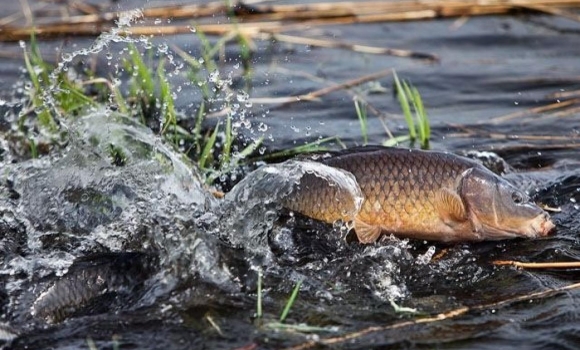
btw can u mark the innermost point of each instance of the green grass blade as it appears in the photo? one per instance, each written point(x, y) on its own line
point(91, 344)
point(249, 149)
point(227, 149)
point(33, 148)
point(208, 147)
point(405, 107)
point(413, 107)
point(423, 118)
point(145, 79)
point(290, 301)
point(394, 141)
point(207, 51)
point(416, 116)
point(259, 301)
point(31, 71)
point(315, 146)
point(167, 103)
point(361, 113)
point(119, 98)
point(197, 129)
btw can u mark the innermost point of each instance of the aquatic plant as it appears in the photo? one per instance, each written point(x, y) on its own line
point(414, 112)
point(290, 301)
point(259, 297)
point(37, 70)
point(280, 325)
point(361, 113)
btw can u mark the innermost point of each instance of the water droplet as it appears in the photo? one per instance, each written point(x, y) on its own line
point(162, 48)
point(214, 76)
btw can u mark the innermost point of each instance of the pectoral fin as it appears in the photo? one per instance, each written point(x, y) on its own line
point(450, 206)
point(366, 233)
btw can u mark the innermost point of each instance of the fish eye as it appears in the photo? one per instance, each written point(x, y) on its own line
point(517, 197)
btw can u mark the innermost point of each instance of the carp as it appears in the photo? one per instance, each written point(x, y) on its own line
point(428, 195)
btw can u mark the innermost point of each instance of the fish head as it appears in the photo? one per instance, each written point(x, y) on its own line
point(498, 210)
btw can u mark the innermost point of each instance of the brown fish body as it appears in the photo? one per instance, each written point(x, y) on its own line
point(423, 195)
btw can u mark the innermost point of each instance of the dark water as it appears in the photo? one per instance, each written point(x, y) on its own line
point(142, 256)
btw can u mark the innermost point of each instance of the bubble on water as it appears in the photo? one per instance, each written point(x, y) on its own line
point(22, 44)
point(424, 259)
point(157, 21)
point(67, 57)
point(162, 48)
point(126, 17)
point(263, 127)
point(214, 76)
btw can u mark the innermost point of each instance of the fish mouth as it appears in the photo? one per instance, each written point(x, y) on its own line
point(541, 226)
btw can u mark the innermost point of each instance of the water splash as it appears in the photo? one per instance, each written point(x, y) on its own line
point(78, 202)
point(253, 205)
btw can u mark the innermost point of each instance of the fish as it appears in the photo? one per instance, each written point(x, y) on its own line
point(90, 280)
point(426, 195)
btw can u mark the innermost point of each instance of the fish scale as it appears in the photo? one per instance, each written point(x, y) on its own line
point(405, 179)
point(391, 181)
